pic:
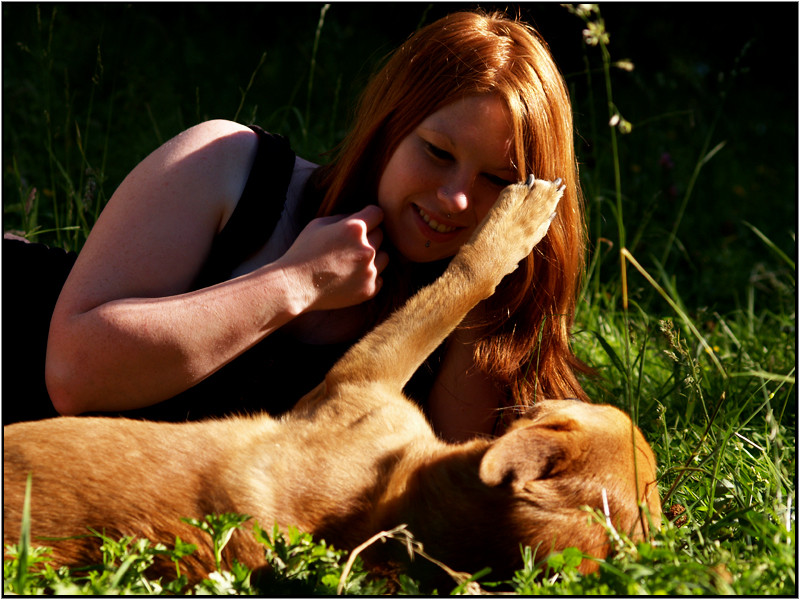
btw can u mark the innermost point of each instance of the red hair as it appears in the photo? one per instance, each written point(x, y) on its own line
point(523, 333)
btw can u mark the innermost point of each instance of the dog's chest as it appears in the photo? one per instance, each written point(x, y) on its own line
point(327, 472)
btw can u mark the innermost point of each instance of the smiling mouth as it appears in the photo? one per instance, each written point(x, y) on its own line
point(433, 223)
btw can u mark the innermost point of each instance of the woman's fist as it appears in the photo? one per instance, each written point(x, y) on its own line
point(336, 261)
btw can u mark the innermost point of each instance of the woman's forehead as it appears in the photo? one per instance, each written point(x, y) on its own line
point(483, 120)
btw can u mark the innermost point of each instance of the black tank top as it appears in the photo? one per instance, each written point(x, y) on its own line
point(279, 370)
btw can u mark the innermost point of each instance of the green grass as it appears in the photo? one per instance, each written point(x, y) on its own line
point(688, 312)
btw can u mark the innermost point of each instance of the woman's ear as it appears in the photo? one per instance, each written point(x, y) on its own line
point(537, 451)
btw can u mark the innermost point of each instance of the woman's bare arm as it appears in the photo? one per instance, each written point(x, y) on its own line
point(127, 333)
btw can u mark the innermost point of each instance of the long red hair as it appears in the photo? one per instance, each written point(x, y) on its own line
point(523, 330)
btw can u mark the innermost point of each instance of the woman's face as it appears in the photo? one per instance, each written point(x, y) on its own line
point(445, 176)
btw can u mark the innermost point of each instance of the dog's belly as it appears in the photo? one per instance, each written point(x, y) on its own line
point(326, 473)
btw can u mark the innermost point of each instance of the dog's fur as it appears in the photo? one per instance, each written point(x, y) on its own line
point(354, 457)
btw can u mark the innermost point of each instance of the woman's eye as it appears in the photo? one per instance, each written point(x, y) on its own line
point(498, 181)
point(437, 152)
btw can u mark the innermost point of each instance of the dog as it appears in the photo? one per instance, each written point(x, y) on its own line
point(354, 457)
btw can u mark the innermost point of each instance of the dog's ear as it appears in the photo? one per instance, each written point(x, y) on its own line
point(537, 451)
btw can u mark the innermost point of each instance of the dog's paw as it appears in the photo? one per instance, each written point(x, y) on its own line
point(519, 220)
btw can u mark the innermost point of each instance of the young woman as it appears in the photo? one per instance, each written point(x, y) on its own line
point(227, 275)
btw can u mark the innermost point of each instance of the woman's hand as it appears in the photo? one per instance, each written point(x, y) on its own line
point(336, 261)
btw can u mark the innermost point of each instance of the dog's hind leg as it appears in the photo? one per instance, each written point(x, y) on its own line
point(393, 351)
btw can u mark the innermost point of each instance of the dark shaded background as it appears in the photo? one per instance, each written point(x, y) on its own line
point(165, 67)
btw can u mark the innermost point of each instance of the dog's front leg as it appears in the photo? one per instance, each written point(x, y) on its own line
point(392, 352)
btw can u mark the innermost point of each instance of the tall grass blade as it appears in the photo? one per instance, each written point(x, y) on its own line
point(245, 91)
point(24, 540)
point(771, 245)
point(611, 353)
point(711, 153)
point(767, 376)
point(680, 312)
point(313, 68)
point(705, 156)
point(119, 576)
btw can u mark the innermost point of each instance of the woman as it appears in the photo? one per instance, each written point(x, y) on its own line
point(188, 300)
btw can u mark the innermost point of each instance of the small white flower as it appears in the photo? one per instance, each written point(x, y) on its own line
point(624, 65)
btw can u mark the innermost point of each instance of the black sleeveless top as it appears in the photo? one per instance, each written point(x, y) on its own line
point(273, 375)
point(270, 377)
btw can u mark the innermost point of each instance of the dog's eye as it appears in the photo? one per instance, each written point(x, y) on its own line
point(560, 424)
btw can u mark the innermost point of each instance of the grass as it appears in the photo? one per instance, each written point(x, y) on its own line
point(688, 312)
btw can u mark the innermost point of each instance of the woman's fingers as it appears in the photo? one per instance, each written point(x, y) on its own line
point(341, 256)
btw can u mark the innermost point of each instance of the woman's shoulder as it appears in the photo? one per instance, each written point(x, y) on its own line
point(216, 128)
point(217, 155)
point(216, 139)
point(217, 146)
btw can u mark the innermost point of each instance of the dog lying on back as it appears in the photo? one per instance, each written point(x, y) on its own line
point(354, 457)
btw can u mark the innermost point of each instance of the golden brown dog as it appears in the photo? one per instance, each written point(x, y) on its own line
point(354, 457)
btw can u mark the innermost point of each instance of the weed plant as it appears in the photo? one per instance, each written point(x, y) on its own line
point(687, 314)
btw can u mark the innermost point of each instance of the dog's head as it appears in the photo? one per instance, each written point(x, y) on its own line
point(562, 456)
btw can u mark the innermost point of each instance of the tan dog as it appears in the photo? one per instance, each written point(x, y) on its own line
point(354, 457)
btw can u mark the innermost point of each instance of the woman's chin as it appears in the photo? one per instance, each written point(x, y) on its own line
point(424, 252)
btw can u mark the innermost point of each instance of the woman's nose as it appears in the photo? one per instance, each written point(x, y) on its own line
point(454, 195)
